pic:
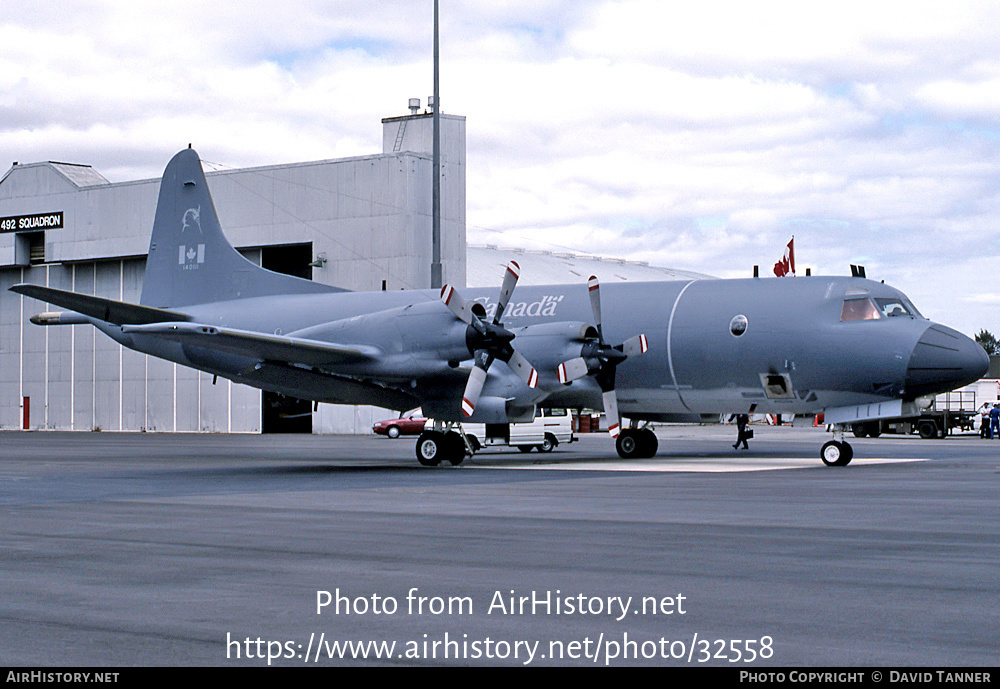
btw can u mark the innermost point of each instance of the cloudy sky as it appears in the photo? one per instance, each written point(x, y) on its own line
point(699, 136)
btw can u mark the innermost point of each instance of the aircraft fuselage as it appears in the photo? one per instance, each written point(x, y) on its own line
point(715, 346)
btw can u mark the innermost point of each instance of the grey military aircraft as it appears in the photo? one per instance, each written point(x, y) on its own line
point(650, 352)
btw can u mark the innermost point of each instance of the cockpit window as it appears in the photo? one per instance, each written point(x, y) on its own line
point(859, 310)
point(867, 309)
point(890, 306)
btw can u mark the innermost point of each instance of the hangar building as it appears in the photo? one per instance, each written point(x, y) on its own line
point(360, 223)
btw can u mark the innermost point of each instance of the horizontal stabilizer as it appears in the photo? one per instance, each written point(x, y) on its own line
point(293, 350)
point(107, 310)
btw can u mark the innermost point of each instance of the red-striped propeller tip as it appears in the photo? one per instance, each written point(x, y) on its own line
point(467, 407)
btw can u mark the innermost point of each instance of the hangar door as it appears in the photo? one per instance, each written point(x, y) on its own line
point(279, 413)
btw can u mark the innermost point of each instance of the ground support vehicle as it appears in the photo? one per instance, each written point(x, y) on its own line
point(945, 413)
point(550, 428)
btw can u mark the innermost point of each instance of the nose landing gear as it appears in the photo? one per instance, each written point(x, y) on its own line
point(837, 452)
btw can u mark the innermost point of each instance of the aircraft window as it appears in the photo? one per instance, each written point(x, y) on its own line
point(738, 325)
point(893, 307)
point(859, 310)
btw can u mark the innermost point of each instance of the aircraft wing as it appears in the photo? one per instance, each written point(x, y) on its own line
point(107, 310)
point(294, 350)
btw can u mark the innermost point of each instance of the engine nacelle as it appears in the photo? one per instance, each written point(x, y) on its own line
point(488, 410)
point(423, 330)
point(547, 345)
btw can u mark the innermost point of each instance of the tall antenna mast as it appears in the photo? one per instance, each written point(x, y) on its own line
point(436, 279)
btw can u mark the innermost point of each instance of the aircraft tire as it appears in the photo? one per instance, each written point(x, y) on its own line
point(629, 444)
point(649, 443)
point(836, 454)
point(430, 448)
point(454, 448)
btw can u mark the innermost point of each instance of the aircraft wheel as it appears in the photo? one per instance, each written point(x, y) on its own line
point(392, 431)
point(430, 448)
point(548, 444)
point(629, 444)
point(649, 443)
point(836, 454)
point(454, 448)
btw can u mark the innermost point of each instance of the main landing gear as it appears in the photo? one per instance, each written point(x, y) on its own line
point(434, 447)
point(837, 452)
point(636, 443)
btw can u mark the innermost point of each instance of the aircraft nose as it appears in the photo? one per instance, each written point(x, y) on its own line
point(944, 359)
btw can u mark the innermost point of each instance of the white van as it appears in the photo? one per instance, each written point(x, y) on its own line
point(550, 427)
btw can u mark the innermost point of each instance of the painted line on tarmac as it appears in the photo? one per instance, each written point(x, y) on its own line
point(666, 465)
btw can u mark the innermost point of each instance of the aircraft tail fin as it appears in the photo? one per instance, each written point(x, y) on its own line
point(190, 260)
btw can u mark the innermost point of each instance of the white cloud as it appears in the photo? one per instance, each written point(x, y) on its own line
point(697, 135)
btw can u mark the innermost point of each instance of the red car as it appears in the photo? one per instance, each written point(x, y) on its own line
point(411, 423)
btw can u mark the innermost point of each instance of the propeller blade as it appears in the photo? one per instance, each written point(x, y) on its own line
point(524, 370)
point(571, 370)
point(506, 289)
point(611, 411)
point(492, 340)
point(454, 301)
point(473, 388)
point(635, 345)
point(594, 286)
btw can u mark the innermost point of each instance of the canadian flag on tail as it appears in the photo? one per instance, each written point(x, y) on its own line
point(786, 266)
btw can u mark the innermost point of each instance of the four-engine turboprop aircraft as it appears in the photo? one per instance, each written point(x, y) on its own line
point(656, 351)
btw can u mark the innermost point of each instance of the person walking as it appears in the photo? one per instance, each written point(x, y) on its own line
point(744, 433)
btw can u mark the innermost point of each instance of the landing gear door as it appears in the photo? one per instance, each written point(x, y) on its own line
point(777, 386)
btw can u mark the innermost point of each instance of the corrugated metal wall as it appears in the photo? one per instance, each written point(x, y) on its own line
point(76, 378)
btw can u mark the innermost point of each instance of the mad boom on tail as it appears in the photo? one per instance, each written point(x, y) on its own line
point(656, 351)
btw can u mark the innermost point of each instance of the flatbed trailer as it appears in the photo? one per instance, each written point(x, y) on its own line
point(949, 412)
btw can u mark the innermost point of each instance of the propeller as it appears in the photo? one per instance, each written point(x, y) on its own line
point(599, 359)
point(488, 341)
